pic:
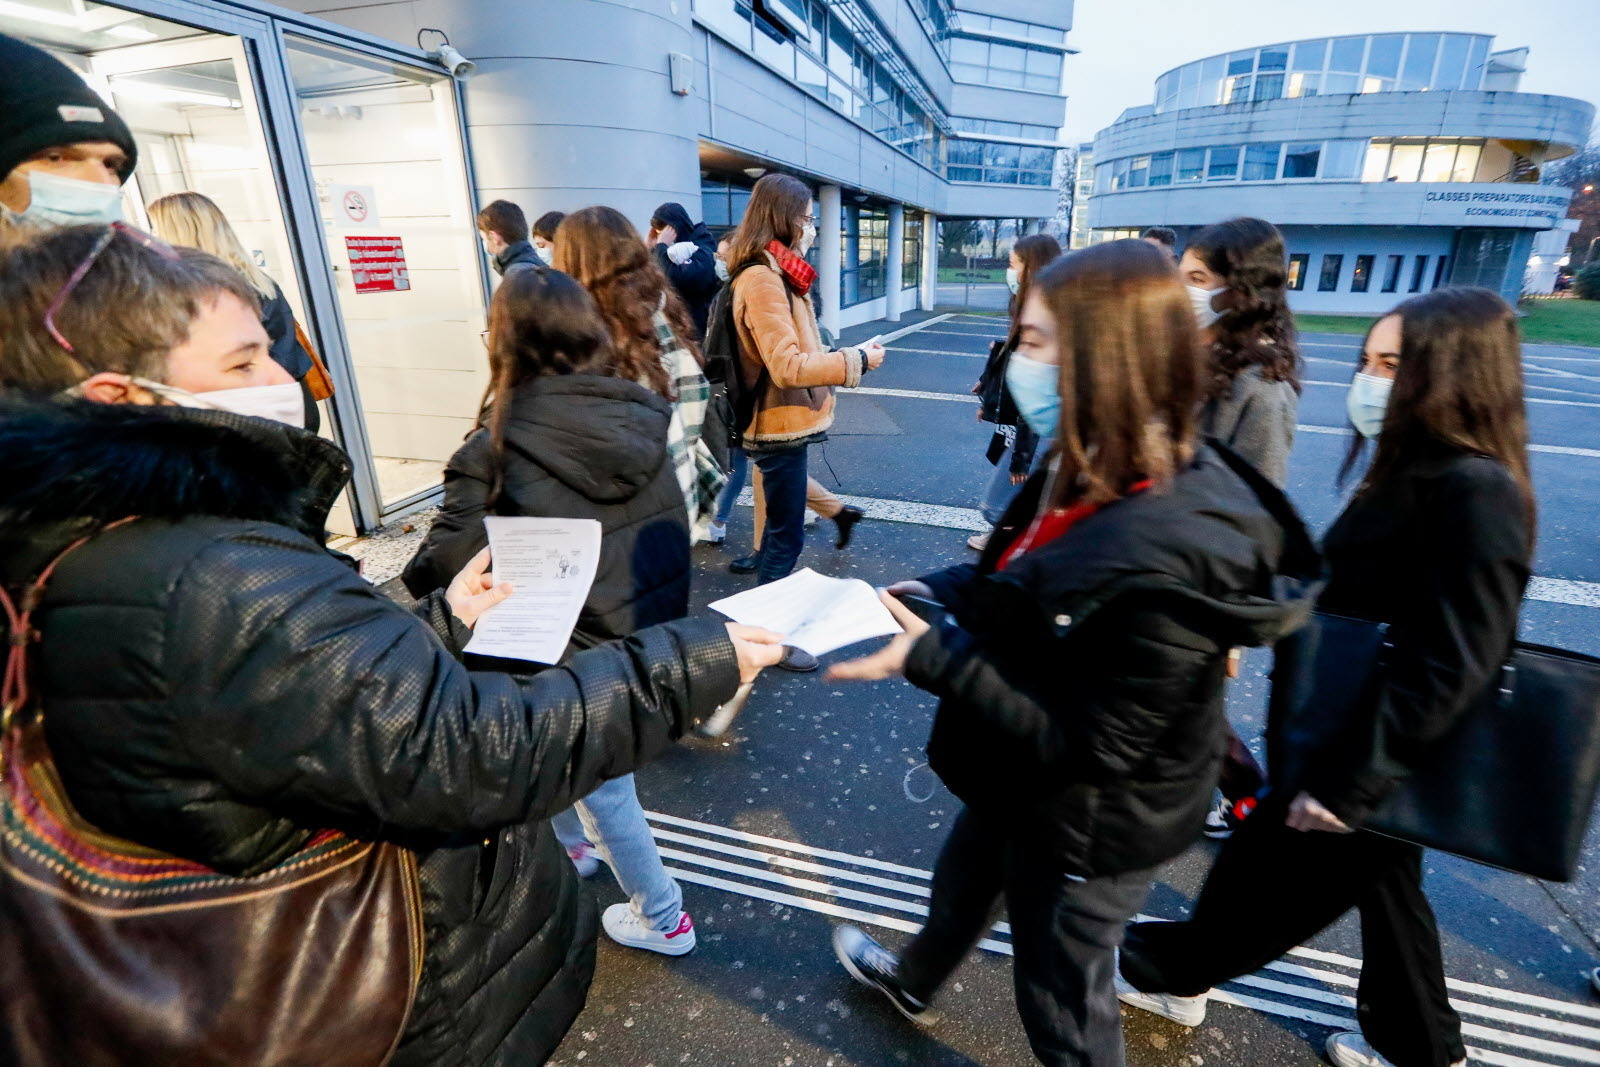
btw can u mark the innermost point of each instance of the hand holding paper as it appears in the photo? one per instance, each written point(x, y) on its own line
point(813, 612)
point(551, 563)
point(890, 660)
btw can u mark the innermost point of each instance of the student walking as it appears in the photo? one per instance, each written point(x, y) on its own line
point(572, 433)
point(783, 360)
point(1436, 543)
point(1237, 274)
point(686, 254)
point(1080, 663)
point(503, 229)
point(651, 331)
point(193, 220)
point(1015, 445)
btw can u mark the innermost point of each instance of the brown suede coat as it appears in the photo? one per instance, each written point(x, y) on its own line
point(778, 330)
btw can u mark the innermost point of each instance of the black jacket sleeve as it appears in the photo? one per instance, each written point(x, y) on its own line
point(457, 533)
point(1457, 637)
point(277, 318)
point(326, 697)
point(696, 279)
point(1097, 723)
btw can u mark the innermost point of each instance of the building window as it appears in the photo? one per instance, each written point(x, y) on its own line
point(1300, 160)
point(1261, 162)
point(1361, 279)
point(911, 252)
point(1418, 273)
point(864, 259)
point(1343, 159)
point(1391, 274)
point(1011, 27)
point(1139, 172)
point(1441, 273)
point(1299, 267)
point(1223, 163)
point(1331, 266)
point(1009, 66)
point(1191, 164)
point(1161, 168)
point(722, 203)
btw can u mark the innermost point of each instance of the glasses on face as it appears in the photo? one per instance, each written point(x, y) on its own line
point(150, 241)
point(808, 220)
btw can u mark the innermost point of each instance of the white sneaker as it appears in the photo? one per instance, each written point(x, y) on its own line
point(1350, 1049)
point(1185, 1011)
point(979, 541)
point(585, 858)
point(625, 928)
point(717, 533)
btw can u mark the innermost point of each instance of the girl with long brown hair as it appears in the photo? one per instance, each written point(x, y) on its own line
point(1014, 446)
point(1436, 543)
point(570, 433)
point(1237, 275)
point(1080, 665)
point(784, 361)
point(652, 338)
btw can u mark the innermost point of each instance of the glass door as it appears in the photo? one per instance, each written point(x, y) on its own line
point(383, 142)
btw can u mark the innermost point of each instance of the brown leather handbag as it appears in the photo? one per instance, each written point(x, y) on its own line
point(115, 953)
point(318, 379)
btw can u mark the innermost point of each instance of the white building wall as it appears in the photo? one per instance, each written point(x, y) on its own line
point(1380, 242)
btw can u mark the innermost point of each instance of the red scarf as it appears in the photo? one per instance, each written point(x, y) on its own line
point(1052, 524)
point(799, 273)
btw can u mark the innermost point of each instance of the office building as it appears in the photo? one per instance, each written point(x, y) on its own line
point(352, 160)
point(1393, 163)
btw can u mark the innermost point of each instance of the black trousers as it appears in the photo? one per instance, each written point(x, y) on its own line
point(1273, 888)
point(1063, 935)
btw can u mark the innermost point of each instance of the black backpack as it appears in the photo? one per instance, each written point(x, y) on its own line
point(732, 407)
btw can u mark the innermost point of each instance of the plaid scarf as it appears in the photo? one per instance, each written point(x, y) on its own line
point(799, 273)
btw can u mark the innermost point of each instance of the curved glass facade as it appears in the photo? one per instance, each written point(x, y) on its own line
point(1326, 66)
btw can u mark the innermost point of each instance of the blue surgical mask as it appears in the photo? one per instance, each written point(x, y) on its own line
point(1036, 389)
point(57, 201)
point(1013, 280)
point(1367, 403)
point(722, 269)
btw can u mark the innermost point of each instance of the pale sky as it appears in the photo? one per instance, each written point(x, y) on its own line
point(1125, 44)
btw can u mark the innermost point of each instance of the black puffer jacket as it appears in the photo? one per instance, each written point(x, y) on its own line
point(215, 684)
point(577, 447)
point(696, 281)
point(1083, 685)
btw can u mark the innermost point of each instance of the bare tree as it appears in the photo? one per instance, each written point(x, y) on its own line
point(1580, 172)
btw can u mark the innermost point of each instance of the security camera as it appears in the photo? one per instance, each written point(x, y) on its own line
point(457, 64)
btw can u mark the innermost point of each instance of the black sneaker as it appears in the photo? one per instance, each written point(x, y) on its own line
point(873, 966)
point(1225, 818)
point(846, 521)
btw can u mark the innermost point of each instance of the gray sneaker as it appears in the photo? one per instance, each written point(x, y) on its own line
point(1350, 1049)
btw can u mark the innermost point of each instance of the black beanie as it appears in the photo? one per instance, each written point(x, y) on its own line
point(44, 103)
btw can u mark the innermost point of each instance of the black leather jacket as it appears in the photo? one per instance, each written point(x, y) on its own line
point(216, 684)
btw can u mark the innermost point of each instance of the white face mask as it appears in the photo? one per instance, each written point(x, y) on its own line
point(1013, 280)
point(278, 403)
point(1200, 301)
point(808, 237)
point(1367, 403)
point(546, 253)
point(722, 268)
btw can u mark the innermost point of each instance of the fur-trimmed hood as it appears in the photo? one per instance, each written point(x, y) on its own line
point(75, 465)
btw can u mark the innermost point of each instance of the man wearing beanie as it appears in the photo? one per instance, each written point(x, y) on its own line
point(64, 153)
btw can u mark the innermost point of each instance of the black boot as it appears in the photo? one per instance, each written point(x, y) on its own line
point(846, 521)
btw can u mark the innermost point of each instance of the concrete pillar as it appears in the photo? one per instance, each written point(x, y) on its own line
point(572, 104)
point(829, 260)
point(930, 260)
point(897, 244)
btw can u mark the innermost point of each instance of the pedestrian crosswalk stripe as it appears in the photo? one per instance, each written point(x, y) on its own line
point(699, 853)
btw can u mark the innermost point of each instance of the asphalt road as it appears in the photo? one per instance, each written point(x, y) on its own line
point(817, 805)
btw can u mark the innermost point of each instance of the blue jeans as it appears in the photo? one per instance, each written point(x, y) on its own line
point(783, 476)
point(611, 818)
point(999, 493)
point(739, 465)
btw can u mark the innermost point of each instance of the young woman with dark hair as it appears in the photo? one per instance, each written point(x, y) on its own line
point(1437, 543)
point(784, 361)
point(1080, 663)
point(1015, 444)
point(652, 338)
point(569, 433)
point(1237, 275)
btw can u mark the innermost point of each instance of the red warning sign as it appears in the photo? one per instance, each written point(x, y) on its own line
point(378, 264)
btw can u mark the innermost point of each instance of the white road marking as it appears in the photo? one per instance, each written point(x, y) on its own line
point(913, 394)
point(884, 339)
point(1283, 995)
